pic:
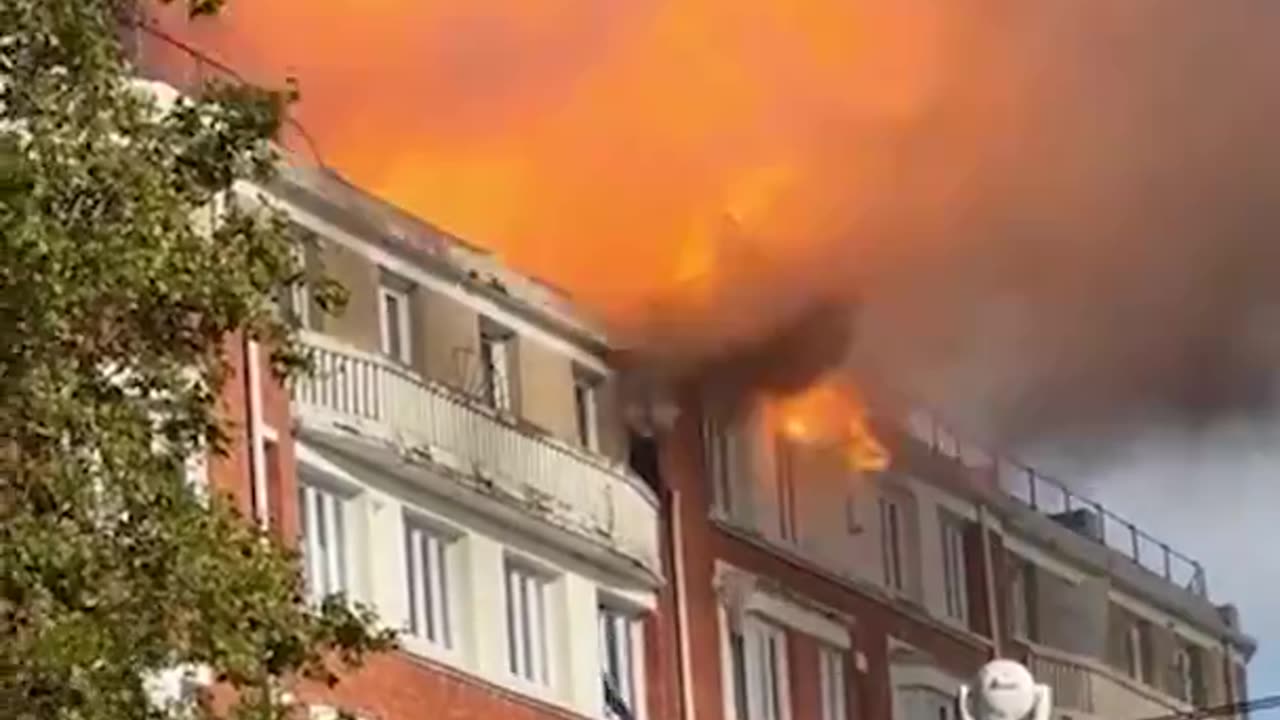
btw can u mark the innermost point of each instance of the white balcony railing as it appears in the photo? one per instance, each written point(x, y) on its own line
point(1088, 686)
point(581, 490)
point(1072, 683)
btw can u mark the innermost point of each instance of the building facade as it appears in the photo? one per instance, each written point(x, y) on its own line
point(815, 591)
point(457, 462)
point(462, 462)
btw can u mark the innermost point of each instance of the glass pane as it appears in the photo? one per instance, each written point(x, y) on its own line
point(411, 567)
point(391, 306)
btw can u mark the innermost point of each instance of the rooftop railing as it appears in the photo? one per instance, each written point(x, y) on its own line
point(1051, 497)
point(161, 56)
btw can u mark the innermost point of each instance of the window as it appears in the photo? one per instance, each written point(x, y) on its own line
point(1136, 650)
point(585, 399)
point(891, 543)
point(1022, 597)
point(786, 489)
point(324, 540)
point(527, 652)
point(831, 683)
point(852, 523)
point(296, 298)
point(925, 703)
point(955, 581)
point(738, 660)
point(770, 677)
point(1182, 674)
point(617, 663)
point(1189, 674)
point(427, 557)
point(758, 659)
point(718, 450)
point(495, 360)
point(393, 308)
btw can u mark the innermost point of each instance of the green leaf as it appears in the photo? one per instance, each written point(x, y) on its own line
point(115, 308)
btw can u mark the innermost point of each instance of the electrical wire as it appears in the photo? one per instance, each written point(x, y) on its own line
point(1270, 702)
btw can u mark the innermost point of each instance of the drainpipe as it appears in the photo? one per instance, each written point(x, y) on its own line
point(682, 609)
point(989, 577)
point(257, 454)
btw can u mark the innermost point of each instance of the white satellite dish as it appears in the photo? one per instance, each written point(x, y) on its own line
point(1005, 690)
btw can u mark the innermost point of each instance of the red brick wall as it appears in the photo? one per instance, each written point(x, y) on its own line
point(229, 473)
point(661, 636)
point(401, 687)
point(704, 542)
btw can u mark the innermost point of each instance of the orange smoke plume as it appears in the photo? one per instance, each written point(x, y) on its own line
point(688, 169)
point(603, 147)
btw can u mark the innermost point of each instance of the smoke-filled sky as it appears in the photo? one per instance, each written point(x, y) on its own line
point(1066, 208)
point(1056, 219)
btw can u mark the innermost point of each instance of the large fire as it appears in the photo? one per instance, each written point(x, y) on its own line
point(602, 146)
point(830, 413)
point(640, 153)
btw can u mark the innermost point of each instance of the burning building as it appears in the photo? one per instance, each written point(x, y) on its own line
point(767, 542)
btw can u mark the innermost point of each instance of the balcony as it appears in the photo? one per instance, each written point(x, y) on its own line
point(1086, 687)
point(384, 412)
point(1044, 495)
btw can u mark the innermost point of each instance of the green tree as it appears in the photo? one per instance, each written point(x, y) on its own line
point(114, 310)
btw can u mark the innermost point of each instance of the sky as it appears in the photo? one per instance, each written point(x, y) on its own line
point(1213, 496)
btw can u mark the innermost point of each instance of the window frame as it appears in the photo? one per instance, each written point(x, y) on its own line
point(534, 666)
point(891, 543)
point(775, 704)
point(926, 700)
point(1182, 666)
point(757, 686)
point(788, 519)
point(1135, 643)
point(311, 492)
point(833, 685)
point(403, 333)
point(624, 627)
point(952, 530)
point(718, 448)
point(431, 569)
point(493, 336)
point(586, 408)
point(300, 292)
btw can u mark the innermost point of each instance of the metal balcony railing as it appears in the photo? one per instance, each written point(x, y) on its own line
point(1047, 495)
point(587, 491)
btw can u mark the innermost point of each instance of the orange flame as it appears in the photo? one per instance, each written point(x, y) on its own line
point(830, 412)
point(640, 153)
point(602, 146)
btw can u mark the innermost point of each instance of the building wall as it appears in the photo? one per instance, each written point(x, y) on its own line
point(831, 570)
point(445, 334)
point(872, 618)
point(399, 686)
